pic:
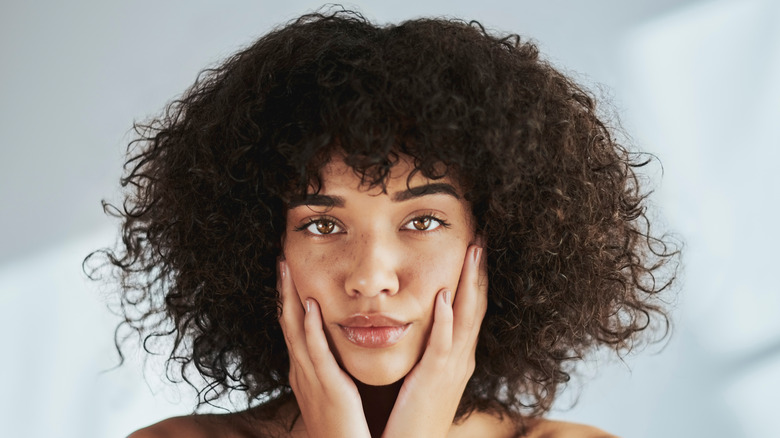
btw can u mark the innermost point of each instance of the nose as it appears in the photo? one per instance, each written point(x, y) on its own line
point(374, 268)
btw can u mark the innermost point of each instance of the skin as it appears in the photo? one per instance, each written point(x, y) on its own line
point(412, 256)
point(243, 425)
point(377, 252)
point(375, 260)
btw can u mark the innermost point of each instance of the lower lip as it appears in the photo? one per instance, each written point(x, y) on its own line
point(375, 337)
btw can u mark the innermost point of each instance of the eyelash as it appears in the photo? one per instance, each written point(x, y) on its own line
point(336, 224)
point(316, 220)
point(430, 216)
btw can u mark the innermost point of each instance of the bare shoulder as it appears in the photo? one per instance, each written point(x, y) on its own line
point(189, 426)
point(483, 424)
point(544, 428)
point(261, 421)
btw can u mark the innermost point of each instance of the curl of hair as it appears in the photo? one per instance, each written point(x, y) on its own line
point(572, 263)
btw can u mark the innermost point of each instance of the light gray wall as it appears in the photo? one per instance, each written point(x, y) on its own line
point(695, 82)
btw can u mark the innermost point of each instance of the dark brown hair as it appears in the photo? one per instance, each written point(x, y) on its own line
point(572, 263)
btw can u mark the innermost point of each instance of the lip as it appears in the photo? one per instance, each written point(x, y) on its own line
point(373, 331)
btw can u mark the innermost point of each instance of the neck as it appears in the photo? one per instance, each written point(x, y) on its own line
point(378, 402)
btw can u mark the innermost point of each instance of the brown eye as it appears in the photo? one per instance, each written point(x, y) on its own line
point(325, 227)
point(423, 223)
point(322, 227)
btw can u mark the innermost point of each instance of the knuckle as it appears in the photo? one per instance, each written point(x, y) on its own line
point(287, 340)
point(445, 318)
point(285, 316)
point(439, 351)
point(468, 323)
point(471, 366)
point(293, 378)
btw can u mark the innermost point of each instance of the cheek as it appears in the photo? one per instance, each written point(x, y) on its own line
point(306, 270)
point(314, 271)
point(433, 270)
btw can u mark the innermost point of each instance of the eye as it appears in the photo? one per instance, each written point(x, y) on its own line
point(424, 223)
point(322, 227)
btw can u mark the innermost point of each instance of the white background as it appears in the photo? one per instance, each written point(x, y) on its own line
point(695, 82)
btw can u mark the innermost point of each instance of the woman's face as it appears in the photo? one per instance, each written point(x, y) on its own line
point(375, 262)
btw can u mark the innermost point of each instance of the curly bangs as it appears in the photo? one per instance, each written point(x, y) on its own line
point(572, 264)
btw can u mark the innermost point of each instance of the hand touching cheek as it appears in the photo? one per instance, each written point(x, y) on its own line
point(375, 263)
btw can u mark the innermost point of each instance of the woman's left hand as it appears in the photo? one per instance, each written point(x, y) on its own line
point(431, 392)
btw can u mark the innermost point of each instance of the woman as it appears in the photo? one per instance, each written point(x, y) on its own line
point(408, 230)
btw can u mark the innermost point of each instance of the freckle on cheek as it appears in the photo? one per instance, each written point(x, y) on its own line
point(338, 258)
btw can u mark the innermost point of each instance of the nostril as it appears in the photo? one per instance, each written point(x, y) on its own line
point(374, 269)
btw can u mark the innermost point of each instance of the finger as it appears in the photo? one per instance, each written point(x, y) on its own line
point(482, 296)
point(292, 320)
point(323, 361)
point(440, 340)
point(471, 300)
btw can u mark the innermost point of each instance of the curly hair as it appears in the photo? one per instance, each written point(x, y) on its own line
point(572, 263)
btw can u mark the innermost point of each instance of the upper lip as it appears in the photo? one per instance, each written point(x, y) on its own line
point(372, 320)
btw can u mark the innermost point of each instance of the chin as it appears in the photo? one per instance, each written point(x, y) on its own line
point(378, 371)
point(378, 380)
point(378, 366)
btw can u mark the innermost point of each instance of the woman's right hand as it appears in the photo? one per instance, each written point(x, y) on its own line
point(327, 397)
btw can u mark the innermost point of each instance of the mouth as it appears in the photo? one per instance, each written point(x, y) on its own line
point(373, 331)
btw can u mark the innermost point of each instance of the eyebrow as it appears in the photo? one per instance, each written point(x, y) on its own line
point(331, 201)
point(317, 200)
point(424, 190)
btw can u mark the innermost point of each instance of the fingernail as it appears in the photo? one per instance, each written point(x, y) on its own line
point(447, 297)
point(477, 254)
point(308, 305)
point(283, 269)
